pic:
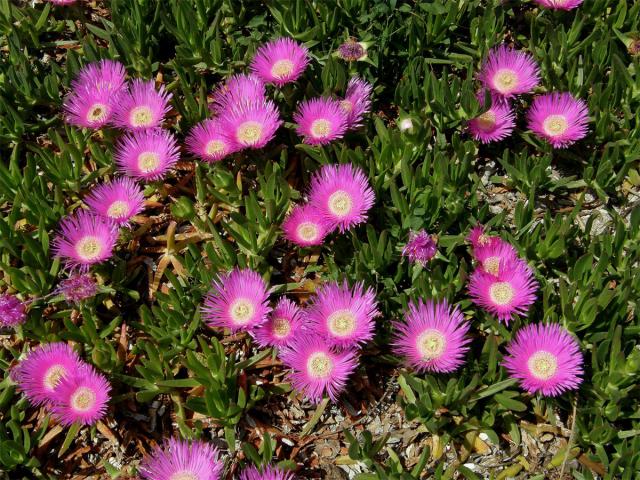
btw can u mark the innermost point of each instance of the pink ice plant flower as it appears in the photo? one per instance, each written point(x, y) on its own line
point(119, 201)
point(558, 118)
point(141, 106)
point(478, 237)
point(494, 254)
point(238, 301)
point(306, 226)
point(267, 472)
point(342, 194)
point(559, 4)
point(182, 460)
point(251, 124)
point(209, 142)
point(420, 248)
point(282, 326)
point(509, 72)
point(495, 124)
point(85, 239)
point(147, 155)
point(320, 120)
point(12, 310)
point(81, 397)
point(317, 369)
point(356, 102)
point(545, 359)
point(238, 89)
point(280, 61)
point(78, 287)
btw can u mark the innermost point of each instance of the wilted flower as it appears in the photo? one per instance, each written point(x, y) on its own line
point(320, 120)
point(420, 248)
point(183, 460)
point(118, 201)
point(558, 118)
point(280, 61)
point(12, 310)
point(267, 472)
point(559, 4)
point(236, 90)
point(81, 396)
point(357, 101)
point(142, 106)
point(208, 141)
point(495, 124)
point(306, 226)
point(352, 50)
point(77, 287)
point(251, 124)
point(147, 154)
point(509, 72)
point(282, 326)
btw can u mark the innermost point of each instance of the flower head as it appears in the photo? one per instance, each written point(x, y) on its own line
point(559, 4)
point(495, 254)
point(420, 248)
point(208, 141)
point(433, 337)
point(357, 101)
point(237, 301)
point(78, 287)
point(509, 72)
point(236, 90)
point(85, 239)
point(147, 154)
point(182, 460)
point(41, 371)
point(306, 226)
point(405, 124)
point(496, 123)
point(251, 124)
point(280, 61)
point(545, 359)
point(142, 106)
point(81, 396)
point(509, 292)
point(352, 50)
point(282, 326)
point(118, 201)
point(267, 473)
point(12, 310)
point(317, 368)
point(320, 120)
point(342, 195)
point(479, 238)
point(558, 118)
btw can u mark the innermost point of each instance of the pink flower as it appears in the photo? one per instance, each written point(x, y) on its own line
point(352, 51)
point(183, 460)
point(280, 61)
point(119, 201)
point(318, 369)
point(251, 124)
point(320, 120)
point(77, 287)
point(305, 226)
point(208, 141)
point(357, 101)
point(433, 337)
point(62, 2)
point(494, 254)
point(85, 239)
point(282, 326)
point(147, 154)
point(509, 292)
point(479, 238)
point(238, 301)
point(40, 373)
point(344, 316)
point(341, 193)
point(496, 123)
point(12, 310)
point(420, 248)
point(142, 106)
point(558, 118)
point(559, 4)
point(267, 473)
point(81, 396)
point(545, 359)
point(509, 72)
point(237, 90)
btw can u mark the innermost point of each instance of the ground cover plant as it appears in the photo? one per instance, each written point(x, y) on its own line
point(336, 239)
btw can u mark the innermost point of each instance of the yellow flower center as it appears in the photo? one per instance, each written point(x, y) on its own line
point(53, 375)
point(487, 121)
point(242, 311)
point(483, 239)
point(141, 116)
point(308, 231)
point(282, 68)
point(249, 132)
point(89, 248)
point(431, 344)
point(320, 128)
point(342, 323)
point(281, 327)
point(505, 80)
point(184, 475)
point(542, 365)
point(346, 105)
point(319, 365)
point(215, 147)
point(501, 293)
point(118, 209)
point(555, 125)
point(148, 161)
point(340, 203)
point(97, 112)
point(492, 265)
point(83, 399)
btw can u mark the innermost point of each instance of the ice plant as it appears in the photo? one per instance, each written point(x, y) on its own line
point(182, 460)
point(238, 301)
point(479, 238)
point(558, 118)
point(251, 124)
point(85, 239)
point(81, 397)
point(267, 472)
point(494, 254)
point(432, 337)
point(405, 124)
point(317, 368)
point(118, 201)
point(147, 154)
point(280, 61)
point(78, 287)
point(282, 326)
point(420, 248)
point(495, 124)
point(357, 101)
point(12, 310)
point(509, 72)
point(352, 50)
point(559, 4)
point(509, 292)
point(42, 370)
point(345, 316)
point(142, 106)
point(236, 90)
point(306, 226)
point(545, 359)
point(208, 141)
point(320, 120)
point(342, 195)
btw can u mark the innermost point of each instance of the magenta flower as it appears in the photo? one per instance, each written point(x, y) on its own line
point(341, 193)
point(420, 248)
point(251, 124)
point(147, 154)
point(345, 316)
point(357, 101)
point(183, 460)
point(12, 310)
point(267, 473)
point(108, 74)
point(479, 238)
point(433, 337)
point(320, 120)
point(559, 4)
point(118, 201)
point(236, 90)
point(81, 396)
point(545, 359)
point(77, 287)
point(85, 239)
point(42, 370)
point(208, 141)
point(509, 292)
point(282, 326)
point(142, 106)
point(558, 118)
point(238, 300)
point(352, 50)
point(494, 254)
point(317, 368)
point(496, 123)
point(305, 226)
point(280, 61)
point(509, 72)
